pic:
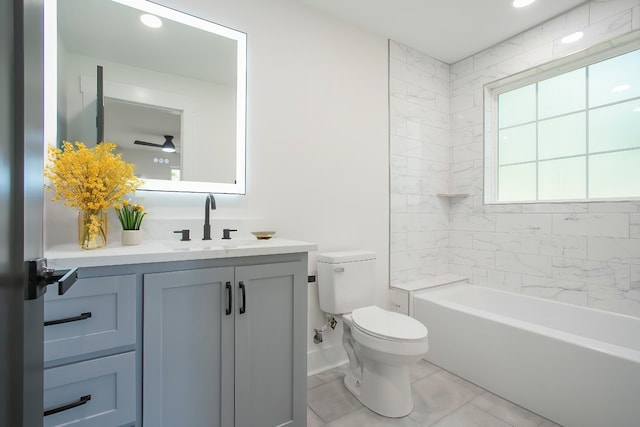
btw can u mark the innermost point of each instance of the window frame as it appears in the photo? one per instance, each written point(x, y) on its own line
point(583, 58)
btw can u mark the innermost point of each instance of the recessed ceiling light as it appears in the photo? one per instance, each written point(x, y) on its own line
point(621, 88)
point(522, 3)
point(151, 20)
point(573, 37)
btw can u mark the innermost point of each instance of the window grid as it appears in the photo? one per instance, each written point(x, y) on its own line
point(587, 155)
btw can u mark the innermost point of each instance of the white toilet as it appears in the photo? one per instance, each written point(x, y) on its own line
point(381, 344)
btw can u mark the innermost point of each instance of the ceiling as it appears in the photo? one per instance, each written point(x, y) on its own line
point(449, 30)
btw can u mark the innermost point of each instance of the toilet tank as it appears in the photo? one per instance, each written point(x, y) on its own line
point(346, 280)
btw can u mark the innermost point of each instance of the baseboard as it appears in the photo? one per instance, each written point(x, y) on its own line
point(325, 357)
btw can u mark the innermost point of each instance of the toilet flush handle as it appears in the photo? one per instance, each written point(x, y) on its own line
point(339, 269)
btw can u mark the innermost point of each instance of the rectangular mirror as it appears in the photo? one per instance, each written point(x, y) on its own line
point(180, 84)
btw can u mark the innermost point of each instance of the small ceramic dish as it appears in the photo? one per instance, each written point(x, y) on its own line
point(263, 235)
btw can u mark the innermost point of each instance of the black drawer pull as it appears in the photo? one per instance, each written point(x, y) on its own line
point(82, 316)
point(244, 298)
point(230, 303)
point(80, 402)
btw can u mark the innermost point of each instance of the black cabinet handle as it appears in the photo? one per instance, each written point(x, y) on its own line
point(244, 298)
point(82, 316)
point(230, 301)
point(83, 400)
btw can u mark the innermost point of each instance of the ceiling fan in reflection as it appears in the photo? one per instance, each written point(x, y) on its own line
point(167, 147)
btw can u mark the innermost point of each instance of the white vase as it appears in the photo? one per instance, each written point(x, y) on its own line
point(131, 237)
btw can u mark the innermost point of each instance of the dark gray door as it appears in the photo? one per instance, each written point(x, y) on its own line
point(21, 157)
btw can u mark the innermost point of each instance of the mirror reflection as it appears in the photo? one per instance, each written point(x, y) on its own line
point(179, 81)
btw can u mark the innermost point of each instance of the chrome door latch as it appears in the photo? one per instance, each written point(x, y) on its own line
point(40, 276)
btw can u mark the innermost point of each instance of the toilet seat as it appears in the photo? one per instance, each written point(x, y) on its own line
point(388, 325)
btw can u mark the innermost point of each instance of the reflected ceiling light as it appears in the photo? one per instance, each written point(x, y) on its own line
point(522, 3)
point(168, 146)
point(151, 20)
point(636, 110)
point(621, 88)
point(573, 37)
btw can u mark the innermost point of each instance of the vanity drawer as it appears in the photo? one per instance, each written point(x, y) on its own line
point(95, 314)
point(95, 393)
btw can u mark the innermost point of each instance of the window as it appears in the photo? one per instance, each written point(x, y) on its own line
point(565, 134)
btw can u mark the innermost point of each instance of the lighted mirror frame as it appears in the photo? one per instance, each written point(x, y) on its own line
point(51, 92)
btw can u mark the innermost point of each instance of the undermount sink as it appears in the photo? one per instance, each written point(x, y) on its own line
point(210, 245)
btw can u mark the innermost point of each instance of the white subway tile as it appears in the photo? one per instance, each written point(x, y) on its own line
point(600, 225)
point(537, 265)
point(559, 290)
point(403, 184)
point(398, 203)
point(524, 223)
point(398, 242)
point(423, 203)
point(529, 59)
point(634, 225)
point(616, 300)
point(421, 240)
point(461, 239)
point(556, 246)
point(600, 10)
point(434, 222)
point(397, 51)
point(467, 152)
point(596, 33)
point(507, 242)
point(626, 251)
point(481, 207)
point(498, 53)
point(555, 207)
point(405, 222)
point(611, 274)
point(601, 273)
point(478, 258)
point(473, 222)
point(504, 280)
point(634, 277)
point(614, 207)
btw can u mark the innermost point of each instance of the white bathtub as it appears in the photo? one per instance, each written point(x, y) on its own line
point(577, 366)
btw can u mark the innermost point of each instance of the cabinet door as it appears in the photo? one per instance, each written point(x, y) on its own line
point(188, 348)
point(271, 355)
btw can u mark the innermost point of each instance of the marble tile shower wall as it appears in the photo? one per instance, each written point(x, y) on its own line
point(581, 253)
point(419, 151)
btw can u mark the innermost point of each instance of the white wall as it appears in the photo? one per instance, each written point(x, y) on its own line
point(581, 253)
point(317, 143)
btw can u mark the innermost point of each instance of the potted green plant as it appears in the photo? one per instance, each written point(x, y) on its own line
point(130, 216)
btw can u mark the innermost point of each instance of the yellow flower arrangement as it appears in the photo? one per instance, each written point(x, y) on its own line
point(90, 179)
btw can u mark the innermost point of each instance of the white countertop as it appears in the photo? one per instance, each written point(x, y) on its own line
point(70, 255)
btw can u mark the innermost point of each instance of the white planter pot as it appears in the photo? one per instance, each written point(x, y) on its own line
point(131, 237)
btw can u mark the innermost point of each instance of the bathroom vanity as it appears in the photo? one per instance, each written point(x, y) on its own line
point(179, 333)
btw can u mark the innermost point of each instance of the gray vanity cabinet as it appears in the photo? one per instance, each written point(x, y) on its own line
point(89, 353)
point(270, 346)
point(225, 346)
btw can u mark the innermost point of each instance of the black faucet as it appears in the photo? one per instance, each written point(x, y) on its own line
point(209, 204)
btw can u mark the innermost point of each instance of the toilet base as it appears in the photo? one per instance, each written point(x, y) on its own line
point(385, 389)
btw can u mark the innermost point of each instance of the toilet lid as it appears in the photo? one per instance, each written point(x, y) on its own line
point(387, 324)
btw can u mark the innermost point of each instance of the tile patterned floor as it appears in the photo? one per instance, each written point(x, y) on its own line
point(441, 400)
